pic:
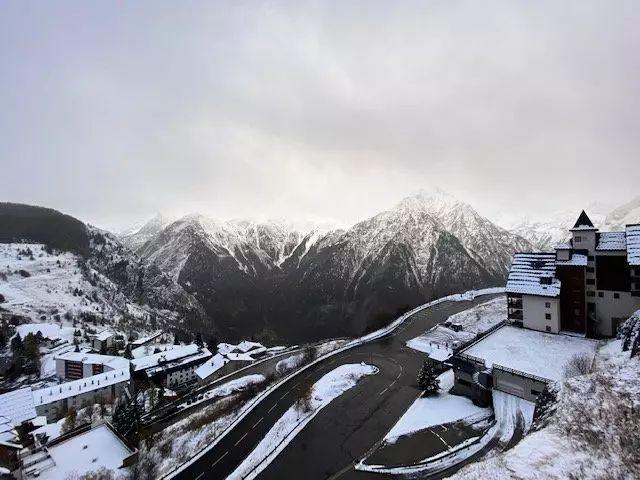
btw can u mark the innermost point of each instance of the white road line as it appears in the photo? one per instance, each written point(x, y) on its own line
point(241, 438)
point(200, 476)
point(274, 406)
point(382, 392)
point(256, 424)
point(283, 396)
point(223, 455)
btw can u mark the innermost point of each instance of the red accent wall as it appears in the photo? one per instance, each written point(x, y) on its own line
point(573, 311)
point(73, 370)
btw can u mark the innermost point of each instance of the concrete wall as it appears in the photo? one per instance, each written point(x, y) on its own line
point(609, 308)
point(523, 387)
point(534, 310)
point(587, 240)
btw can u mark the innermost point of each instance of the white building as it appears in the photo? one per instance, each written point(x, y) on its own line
point(103, 340)
point(75, 365)
point(172, 368)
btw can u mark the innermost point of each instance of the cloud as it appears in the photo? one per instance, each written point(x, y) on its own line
point(317, 109)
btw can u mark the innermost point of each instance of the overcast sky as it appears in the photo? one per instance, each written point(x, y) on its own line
point(112, 111)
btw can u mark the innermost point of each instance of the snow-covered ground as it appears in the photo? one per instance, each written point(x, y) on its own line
point(537, 353)
point(592, 435)
point(329, 387)
point(438, 342)
point(512, 412)
point(289, 363)
point(435, 410)
point(228, 388)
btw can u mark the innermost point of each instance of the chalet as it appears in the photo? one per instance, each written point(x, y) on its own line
point(102, 341)
point(173, 368)
point(588, 286)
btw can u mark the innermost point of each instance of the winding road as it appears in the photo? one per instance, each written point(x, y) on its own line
point(330, 445)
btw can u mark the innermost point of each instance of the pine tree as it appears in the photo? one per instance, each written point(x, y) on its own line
point(428, 379)
point(198, 340)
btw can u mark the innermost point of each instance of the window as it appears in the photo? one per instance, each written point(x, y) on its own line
point(601, 294)
point(590, 270)
point(578, 238)
point(591, 258)
point(591, 281)
point(535, 392)
point(548, 328)
point(616, 295)
point(591, 294)
point(547, 316)
point(547, 304)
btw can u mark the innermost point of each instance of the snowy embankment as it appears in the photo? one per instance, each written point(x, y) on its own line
point(590, 433)
point(228, 388)
point(325, 390)
point(435, 410)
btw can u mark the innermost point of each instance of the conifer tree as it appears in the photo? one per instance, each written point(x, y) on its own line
point(428, 379)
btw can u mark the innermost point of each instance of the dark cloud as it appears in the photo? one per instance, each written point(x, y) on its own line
point(317, 109)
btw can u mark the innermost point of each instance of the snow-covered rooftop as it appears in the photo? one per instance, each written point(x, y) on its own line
point(7, 432)
point(104, 335)
point(95, 359)
point(530, 351)
point(529, 271)
point(88, 451)
point(143, 340)
point(576, 260)
point(48, 395)
point(612, 241)
point(246, 346)
point(175, 356)
point(633, 244)
point(211, 366)
point(48, 330)
point(17, 405)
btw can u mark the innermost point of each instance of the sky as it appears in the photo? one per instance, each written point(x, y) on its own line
point(113, 111)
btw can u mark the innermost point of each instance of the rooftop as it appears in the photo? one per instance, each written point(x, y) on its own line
point(105, 335)
point(88, 451)
point(211, 366)
point(612, 241)
point(48, 395)
point(176, 353)
point(633, 244)
point(530, 351)
point(576, 260)
point(95, 359)
point(528, 273)
point(143, 340)
point(17, 405)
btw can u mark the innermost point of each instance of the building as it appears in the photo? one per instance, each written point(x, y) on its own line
point(55, 402)
point(102, 341)
point(76, 365)
point(80, 451)
point(588, 286)
point(173, 368)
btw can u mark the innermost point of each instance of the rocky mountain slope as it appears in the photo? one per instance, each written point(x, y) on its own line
point(54, 267)
point(271, 280)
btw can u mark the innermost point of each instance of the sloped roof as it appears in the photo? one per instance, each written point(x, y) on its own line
point(48, 395)
point(633, 244)
point(583, 221)
point(612, 241)
point(528, 271)
point(17, 405)
point(576, 260)
point(95, 359)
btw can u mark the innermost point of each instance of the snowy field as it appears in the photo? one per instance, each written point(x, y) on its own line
point(438, 342)
point(329, 387)
point(435, 410)
point(537, 353)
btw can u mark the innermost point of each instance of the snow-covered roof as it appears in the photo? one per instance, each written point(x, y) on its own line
point(612, 241)
point(633, 244)
point(179, 355)
point(97, 448)
point(564, 246)
point(17, 405)
point(529, 351)
point(576, 260)
point(95, 359)
point(239, 357)
point(7, 431)
point(529, 271)
point(246, 346)
point(211, 366)
point(48, 330)
point(243, 351)
point(143, 340)
point(48, 395)
point(104, 335)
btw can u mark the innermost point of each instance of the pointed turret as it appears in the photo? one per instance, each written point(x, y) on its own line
point(583, 221)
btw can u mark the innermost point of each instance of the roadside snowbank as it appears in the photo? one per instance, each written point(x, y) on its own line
point(228, 388)
point(329, 387)
point(435, 410)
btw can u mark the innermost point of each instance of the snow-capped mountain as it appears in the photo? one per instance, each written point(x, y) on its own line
point(56, 267)
point(623, 215)
point(135, 237)
point(273, 279)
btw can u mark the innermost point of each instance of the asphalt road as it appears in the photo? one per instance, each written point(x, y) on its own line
point(348, 427)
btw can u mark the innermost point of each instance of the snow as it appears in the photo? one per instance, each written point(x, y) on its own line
point(612, 241)
point(17, 405)
point(527, 272)
point(95, 449)
point(435, 410)
point(48, 330)
point(289, 363)
point(511, 411)
point(210, 367)
point(51, 430)
point(155, 359)
point(325, 390)
point(111, 361)
point(229, 388)
point(48, 395)
point(530, 351)
point(576, 260)
point(438, 342)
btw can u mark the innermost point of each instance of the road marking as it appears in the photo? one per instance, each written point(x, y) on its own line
point(274, 406)
point(256, 424)
point(223, 455)
point(283, 396)
point(382, 392)
point(200, 476)
point(241, 438)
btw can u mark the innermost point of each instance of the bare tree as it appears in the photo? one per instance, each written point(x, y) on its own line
point(304, 399)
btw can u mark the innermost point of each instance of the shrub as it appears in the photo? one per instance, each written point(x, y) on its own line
point(24, 273)
point(580, 364)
